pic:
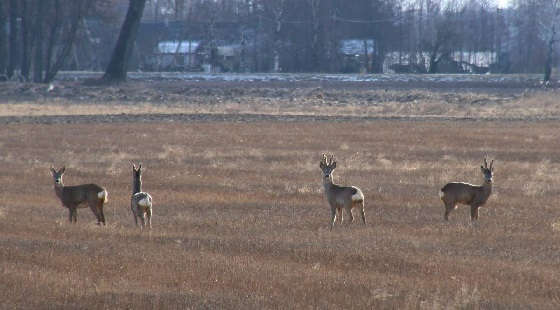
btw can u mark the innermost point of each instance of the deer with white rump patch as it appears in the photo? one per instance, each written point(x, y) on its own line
point(74, 197)
point(474, 196)
point(340, 197)
point(140, 202)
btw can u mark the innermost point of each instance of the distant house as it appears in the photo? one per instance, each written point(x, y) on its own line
point(173, 46)
point(166, 46)
point(357, 55)
point(356, 47)
point(456, 62)
point(220, 56)
point(174, 56)
point(229, 51)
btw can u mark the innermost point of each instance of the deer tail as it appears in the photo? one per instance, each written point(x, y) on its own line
point(103, 195)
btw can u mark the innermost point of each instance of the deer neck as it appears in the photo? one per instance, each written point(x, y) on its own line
point(328, 183)
point(58, 189)
point(487, 188)
point(136, 186)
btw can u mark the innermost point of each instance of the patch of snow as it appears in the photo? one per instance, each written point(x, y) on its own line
point(302, 77)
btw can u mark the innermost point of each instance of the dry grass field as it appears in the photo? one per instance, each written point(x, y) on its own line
point(459, 100)
point(240, 221)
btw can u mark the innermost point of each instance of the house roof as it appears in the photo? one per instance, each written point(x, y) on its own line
point(355, 46)
point(180, 47)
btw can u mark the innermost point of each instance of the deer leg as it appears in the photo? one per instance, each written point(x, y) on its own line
point(448, 208)
point(74, 215)
point(93, 207)
point(70, 215)
point(134, 213)
point(341, 215)
point(363, 213)
point(474, 213)
point(349, 211)
point(101, 214)
point(149, 214)
point(333, 217)
point(142, 219)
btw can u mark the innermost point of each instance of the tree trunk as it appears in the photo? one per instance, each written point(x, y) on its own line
point(549, 54)
point(117, 68)
point(3, 39)
point(366, 63)
point(26, 39)
point(12, 64)
point(434, 59)
point(38, 58)
point(53, 38)
point(315, 26)
point(278, 13)
point(433, 63)
point(81, 6)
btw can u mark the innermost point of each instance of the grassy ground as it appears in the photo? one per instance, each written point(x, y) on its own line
point(476, 101)
point(240, 221)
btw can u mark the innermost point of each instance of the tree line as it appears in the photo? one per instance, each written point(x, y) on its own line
point(38, 37)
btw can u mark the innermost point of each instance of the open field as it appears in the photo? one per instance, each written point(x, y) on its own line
point(240, 221)
point(373, 96)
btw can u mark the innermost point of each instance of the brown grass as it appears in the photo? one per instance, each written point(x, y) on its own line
point(350, 99)
point(240, 221)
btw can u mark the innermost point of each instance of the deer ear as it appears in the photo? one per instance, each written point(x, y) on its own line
point(333, 165)
point(62, 170)
point(52, 170)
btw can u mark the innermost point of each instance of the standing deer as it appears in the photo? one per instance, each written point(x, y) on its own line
point(140, 202)
point(464, 193)
point(340, 197)
point(74, 197)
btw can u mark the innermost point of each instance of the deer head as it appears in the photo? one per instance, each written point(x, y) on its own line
point(57, 175)
point(327, 164)
point(487, 171)
point(136, 171)
point(136, 177)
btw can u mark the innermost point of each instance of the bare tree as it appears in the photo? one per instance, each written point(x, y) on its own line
point(12, 64)
point(117, 69)
point(38, 41)
point(548, 31)
point(26, 25)
point(68, 33)
point(277, 8)
point(441, 35)
point(284, 35)
point(315, 5)
point(3, 39)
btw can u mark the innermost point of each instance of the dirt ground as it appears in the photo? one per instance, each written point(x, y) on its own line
point(141, 99)
point(240, 221)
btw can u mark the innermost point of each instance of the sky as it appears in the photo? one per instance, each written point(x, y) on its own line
point(502, 3)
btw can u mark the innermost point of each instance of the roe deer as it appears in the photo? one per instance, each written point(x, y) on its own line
point(74, 197)
point(140, 202)
point(472, 195)
point(340, 197)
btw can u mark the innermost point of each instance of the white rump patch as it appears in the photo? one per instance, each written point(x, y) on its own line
point(102, 194)
point(144, 202)
point(441, 194)
point(358, 196)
